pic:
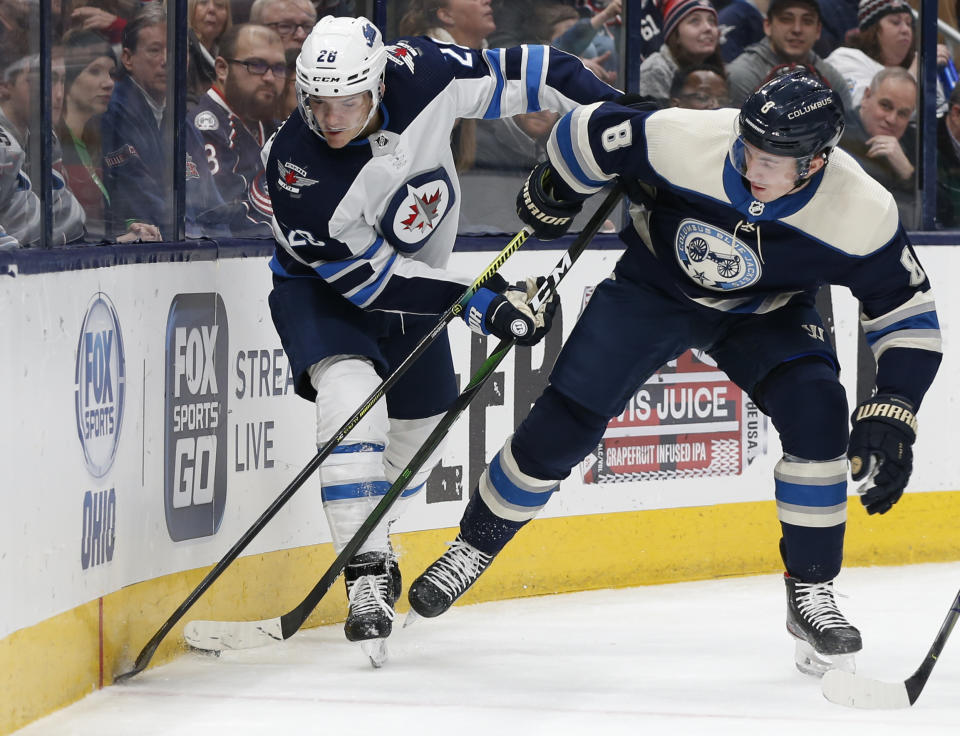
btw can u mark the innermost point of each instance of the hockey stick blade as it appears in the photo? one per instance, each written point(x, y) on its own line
point(290, 622)
point(856, 691)
point(215, 636)
point(150, 648)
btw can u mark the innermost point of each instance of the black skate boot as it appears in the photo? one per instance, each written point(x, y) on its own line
point(373, 586)
point(825, 639)
point(448, 578)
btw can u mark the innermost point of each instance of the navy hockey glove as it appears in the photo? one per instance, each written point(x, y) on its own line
point(508, 315)
point(880, 450)
point(536, 206)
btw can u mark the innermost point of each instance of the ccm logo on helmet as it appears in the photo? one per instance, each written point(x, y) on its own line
point(807, 108)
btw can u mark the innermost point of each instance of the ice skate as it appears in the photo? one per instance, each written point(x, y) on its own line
point(373, 586)
point(825, 639)
point(447, 579)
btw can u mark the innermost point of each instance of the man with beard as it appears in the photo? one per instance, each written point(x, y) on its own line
point(234, 119)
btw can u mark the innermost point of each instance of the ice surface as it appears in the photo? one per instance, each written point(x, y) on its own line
point(693, 658)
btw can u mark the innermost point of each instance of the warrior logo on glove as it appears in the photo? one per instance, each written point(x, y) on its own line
point(880, 450)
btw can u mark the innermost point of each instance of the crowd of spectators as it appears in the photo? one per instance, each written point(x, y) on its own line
point(113, 130)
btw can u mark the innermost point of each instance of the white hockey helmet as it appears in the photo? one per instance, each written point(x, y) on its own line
point(340, 57)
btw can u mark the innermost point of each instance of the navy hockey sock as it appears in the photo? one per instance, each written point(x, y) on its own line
point(483, 529)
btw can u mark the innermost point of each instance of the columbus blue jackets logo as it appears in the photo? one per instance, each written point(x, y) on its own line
point(713, 259)
point(293, 178)
point(206, 120)
point(417, 209)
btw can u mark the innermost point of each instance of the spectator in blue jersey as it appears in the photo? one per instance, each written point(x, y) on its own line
point(690, 30)
point(366, 203)
point(234, 120)
point(738, 235)
point(791, 27)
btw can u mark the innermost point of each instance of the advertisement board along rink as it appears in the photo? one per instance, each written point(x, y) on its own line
point(152, 419)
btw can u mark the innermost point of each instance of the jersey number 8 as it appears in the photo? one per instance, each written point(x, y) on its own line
point(617, 136)
point(917, 276)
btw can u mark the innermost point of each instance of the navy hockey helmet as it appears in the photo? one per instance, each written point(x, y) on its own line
point(793, 115)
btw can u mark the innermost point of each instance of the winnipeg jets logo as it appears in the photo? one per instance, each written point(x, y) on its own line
point(402, 54)
point(293, 178)
point(417, 210)
point(423, 211)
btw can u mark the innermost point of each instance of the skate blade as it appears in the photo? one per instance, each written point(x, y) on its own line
point(811, 662)
point(376, 651)
point(411, 619)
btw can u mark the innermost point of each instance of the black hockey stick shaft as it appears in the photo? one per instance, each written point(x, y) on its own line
point(146, 654)
point(918, 679)
point(291, 621)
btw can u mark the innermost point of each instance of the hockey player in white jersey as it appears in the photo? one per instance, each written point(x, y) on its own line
point(750, 212)
point(365, 208)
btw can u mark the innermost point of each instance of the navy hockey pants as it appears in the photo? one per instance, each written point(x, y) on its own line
point(783, 359)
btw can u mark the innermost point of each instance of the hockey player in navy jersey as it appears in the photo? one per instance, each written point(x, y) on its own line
point(365, 208)
point(757, 212)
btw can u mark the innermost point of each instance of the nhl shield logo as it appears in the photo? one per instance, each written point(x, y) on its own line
point(712, 258)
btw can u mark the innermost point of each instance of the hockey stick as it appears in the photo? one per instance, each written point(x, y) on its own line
point(854, 691)
point(219, 635)
point(146, 654)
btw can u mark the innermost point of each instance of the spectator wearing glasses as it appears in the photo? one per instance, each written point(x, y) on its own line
point(878, 135)
point(208, 21)
point(702, 87)
point(291, 19)
point(235, 118)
